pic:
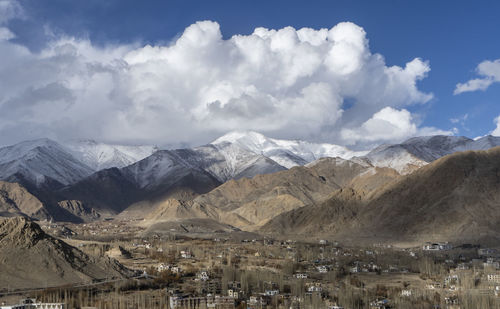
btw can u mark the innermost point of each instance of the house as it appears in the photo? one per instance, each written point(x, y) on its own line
point(314, 288)
point(486, 252)
point(322, 269)
point(491, 263)
point(162, 267)
point(355, 269)
point(235, 293)
point(452, 279)
point(406, 293)
point(272, 292)
point(494, 278)
point(203, 275)
point(301, 276)
point(186, 254)
point(436, 246)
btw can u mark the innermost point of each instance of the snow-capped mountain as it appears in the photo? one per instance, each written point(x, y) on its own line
point(101, 156)
point(164, 168)
point(419, 151)
point(227, 161)
point(287, 153)
point(40, 161)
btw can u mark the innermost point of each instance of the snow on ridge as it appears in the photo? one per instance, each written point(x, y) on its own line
point(288, 153)
point(101, 156)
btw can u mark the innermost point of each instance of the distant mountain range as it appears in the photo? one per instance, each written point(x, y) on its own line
point(244, 179)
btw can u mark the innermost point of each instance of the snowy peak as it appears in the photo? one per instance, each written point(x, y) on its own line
point(101, 156)
point(287, 153)
point(32, 162)
point(419, 151)
point(226, 161)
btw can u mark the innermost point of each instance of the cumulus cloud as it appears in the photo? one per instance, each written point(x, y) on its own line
point(313, 84)
point(489, 72)
point(496, 131)
point(389, 125)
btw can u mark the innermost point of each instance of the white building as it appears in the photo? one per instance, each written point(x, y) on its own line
point(272, 292)
point(322, 269)
point(203, 275)
point(494, 278)
point(406, 293)
point(31, 303)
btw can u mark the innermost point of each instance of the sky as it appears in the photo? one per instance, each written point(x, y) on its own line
point(182, 73)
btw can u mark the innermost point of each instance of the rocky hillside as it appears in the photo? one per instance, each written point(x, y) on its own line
point(15, 200)
point(249, 203)
point(455, 198)
point(31, 258)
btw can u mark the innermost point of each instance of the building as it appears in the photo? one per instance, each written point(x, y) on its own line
point(178, 301)
point(494, 278)
point(31, 303)
point(301, 276)
point(436, 246)
point(406, 293)
point(272, 292)
point(186, 254)
point(203, 275)
point(322, 269)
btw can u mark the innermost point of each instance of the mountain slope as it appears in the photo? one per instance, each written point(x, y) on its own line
point(30, 258)
point(40, 163)
point(101, 156)
point(447, 199)
point(419, 151)
point(444, 201)
point(16, 200)
point(227, 161)
point(249, 203)
point(155, 177)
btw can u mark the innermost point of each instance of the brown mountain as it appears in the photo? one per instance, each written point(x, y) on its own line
point(31, 258)
point(249, 203)
point(455, 198)
point(15, 200)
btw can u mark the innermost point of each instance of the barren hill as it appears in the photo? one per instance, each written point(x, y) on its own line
point(455, 198)
point(30, 258)
point(249, 203)
point(15, 200)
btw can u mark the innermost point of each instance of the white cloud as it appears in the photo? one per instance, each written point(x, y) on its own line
point(496, 131)
point(10, 9)
point(389, 125)
point(286, 83)
point(6, 34)
point(489, 72)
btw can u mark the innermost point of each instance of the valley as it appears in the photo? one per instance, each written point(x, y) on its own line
point(249, 222)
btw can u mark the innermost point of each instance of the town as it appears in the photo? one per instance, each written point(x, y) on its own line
point(219, 272)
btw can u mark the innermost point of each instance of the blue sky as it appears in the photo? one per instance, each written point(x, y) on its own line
point(453, 36)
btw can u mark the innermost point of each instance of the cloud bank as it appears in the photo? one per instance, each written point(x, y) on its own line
point(489, 72)
point(311, 84)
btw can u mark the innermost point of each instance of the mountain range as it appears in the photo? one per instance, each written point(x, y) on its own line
point(242, 179)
